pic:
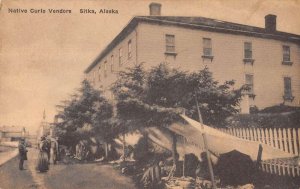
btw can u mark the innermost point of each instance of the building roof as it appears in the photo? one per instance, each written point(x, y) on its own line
point(11, 129)
point(202, 23)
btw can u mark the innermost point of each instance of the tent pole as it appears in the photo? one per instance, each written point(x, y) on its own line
point(199, 113)
point(211, 172)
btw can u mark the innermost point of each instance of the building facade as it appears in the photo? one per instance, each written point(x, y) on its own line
point(12, 133)
point(264, 58)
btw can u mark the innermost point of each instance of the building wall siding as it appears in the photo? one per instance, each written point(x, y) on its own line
point(105, 82)
point(227, 63)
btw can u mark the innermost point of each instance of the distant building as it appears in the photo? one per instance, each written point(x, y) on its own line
point(12, 133)
point(264, 58)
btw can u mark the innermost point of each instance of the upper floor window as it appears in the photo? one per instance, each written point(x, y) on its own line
point(120, 56)
point(129, 49)
point(170, 43)
point(286, 55)
point(248, 50)
point(249, 83)
point(207, 47)
point(288, 89)
point(105, 69)
point(112, 63)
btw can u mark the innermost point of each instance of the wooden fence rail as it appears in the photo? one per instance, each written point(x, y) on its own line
point(285, 139)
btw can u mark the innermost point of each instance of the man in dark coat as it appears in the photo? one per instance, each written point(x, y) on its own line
point(22, 153)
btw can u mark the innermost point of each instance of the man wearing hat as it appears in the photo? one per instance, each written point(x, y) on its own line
point(22, 152)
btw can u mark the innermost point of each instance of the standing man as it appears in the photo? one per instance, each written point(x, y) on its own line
point(22, 152)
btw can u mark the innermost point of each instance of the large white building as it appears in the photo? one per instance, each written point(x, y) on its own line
point(264, 58)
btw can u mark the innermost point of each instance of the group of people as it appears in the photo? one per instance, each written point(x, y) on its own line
point(46, 147)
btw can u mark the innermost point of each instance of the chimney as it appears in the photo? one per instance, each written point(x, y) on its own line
point(270, 23)
point(154, 9)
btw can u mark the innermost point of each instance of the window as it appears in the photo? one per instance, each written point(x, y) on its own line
point(105, 69)
point(120, 56)
point(170, 43)
point(287, 87)
point(129, 49)
point(286, 53)
point(249, 83)
point(248, 50)
point(207, 47)
point(112, 63)
point(99, 73)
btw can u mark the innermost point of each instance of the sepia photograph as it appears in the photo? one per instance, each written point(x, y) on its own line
point(149, 94)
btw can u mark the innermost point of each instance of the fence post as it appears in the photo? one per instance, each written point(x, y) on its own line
point(288, 170)
point(263, 136)
point(295, 142)
point(267, 136)
point(283, 169)
point(234, 131)
point(275, 168)
point(240, 133)
point(280, 140)
point(231, 131)
point(248, 133)
point(259, 135)
point(255, 134)
point(285, 139)
point(276, 138)
point(271, 137)
point(290, 141)
point(251, 134)
point(293, 170)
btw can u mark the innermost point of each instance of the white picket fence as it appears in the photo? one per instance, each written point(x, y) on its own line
point(281, 167)
point(281, 138)
point(285, 139)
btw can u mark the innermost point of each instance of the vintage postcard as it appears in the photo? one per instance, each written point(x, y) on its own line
point(149, 94)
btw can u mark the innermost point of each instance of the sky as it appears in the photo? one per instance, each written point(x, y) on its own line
point(43, 56)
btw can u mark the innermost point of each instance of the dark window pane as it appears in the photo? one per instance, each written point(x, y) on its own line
point(286, 53)
point(287, 86)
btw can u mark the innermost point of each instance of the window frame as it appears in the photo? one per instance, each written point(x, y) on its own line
point(286, 55)
point(287, 93)
point(129, 45)
point(120, 56)
point(170, 45)
point(286, 52)
point(112, 63)
point(207, 46)
point(250, 84)
point(105, 68)
point(248, 50)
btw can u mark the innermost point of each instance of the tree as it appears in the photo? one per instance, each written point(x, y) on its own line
point(86, 115)
point(157, 97)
